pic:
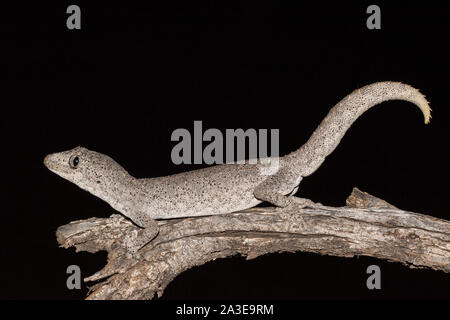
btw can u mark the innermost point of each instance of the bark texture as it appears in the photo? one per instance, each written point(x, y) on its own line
point(366, 226)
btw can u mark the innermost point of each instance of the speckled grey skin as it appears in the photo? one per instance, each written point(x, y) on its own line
point(223, 188)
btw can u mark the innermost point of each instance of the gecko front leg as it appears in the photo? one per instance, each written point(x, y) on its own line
point(136, 240)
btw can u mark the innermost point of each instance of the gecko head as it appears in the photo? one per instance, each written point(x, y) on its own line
point(90, 170)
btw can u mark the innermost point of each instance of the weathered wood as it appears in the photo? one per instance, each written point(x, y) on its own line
point(366, 226)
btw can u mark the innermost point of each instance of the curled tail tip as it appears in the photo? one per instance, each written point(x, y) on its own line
point(427, 115)
point(419, 100)
point(428, 119)
point(426, 110)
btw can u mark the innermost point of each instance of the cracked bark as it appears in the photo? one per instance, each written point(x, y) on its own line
point(367, 226)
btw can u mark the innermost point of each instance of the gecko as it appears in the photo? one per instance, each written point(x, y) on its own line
point(223, 188)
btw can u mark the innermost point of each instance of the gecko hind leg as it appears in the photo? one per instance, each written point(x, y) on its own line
point(293, 191)
point(269, 191)
point(283, 201)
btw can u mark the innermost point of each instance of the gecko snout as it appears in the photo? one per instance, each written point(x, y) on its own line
point(47, 160)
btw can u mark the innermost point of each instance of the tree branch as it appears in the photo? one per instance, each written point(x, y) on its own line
point(366, 226)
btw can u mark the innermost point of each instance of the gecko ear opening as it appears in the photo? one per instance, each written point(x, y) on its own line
point(74, 161)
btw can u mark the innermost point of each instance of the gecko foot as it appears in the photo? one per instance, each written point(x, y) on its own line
point(303, 202)
point(295, 203)
point(138, 239)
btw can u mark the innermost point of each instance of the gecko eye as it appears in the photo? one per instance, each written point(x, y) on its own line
point(73, 162)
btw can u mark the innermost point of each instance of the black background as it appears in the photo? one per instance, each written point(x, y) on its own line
point(135, 72)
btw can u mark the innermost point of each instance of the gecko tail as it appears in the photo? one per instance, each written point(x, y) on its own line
point(416, 97)
point(360, 100)
point(340, 118)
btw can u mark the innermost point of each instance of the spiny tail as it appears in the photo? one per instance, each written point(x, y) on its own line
point(331, 130)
